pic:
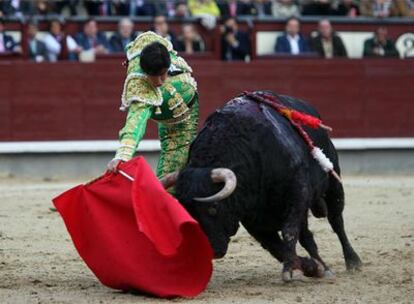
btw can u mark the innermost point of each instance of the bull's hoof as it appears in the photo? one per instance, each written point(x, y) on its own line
point(353, 264)
point(295, 275)
point(312, 268)
point(329, 275)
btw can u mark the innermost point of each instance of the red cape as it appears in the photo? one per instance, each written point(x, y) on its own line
point(135, 235)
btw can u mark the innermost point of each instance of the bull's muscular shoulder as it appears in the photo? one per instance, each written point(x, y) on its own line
point(299, 105)
point(264, 129)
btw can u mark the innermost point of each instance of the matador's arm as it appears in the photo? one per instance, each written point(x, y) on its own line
point(133, 131)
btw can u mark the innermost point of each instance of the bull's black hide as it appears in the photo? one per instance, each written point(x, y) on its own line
point(278, 182)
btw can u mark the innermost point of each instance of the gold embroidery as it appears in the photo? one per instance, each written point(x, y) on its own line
point(177, 101)
point(170, 88)
point(180, 110)
point(173, 121)
point(137, 88)
point(180, 63)
point(184, 78)
point(135, 47)
point(172, 102)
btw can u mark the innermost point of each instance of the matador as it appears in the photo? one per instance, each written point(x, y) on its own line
point(159, 86)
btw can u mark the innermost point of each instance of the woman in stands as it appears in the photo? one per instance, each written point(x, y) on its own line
point(58, 44)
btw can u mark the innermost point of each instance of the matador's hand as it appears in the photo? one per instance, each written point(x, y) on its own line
point(113, 165)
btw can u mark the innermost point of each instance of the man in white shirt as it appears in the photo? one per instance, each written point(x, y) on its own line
point(294, 44)
point(58, 43)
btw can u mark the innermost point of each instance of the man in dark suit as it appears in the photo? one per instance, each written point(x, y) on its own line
point(235, 44)
point(17, 8)
point(380, 45)
point(7, 43)
point(292, 42)
point(125, 35)
point(91, 38)
point(327, 44)
point(37, 48)
point(144, 7)
point(261, 8)
point(161, 27)
point(233, 8)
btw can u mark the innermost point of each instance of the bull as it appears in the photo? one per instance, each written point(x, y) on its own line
point(249, 165)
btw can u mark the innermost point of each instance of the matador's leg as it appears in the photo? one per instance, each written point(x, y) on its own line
point(175, 143)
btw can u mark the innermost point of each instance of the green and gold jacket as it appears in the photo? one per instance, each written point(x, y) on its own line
point(169, 104)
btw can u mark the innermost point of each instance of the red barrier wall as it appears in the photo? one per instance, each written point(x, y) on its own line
point(71, 101)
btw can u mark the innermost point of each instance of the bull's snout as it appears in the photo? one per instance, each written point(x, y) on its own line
point(219, 254)
point(220, 248)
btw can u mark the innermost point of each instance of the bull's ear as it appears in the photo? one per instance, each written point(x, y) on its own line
point(169, 180)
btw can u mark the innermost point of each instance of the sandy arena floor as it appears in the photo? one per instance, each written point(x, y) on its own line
point(38, 263)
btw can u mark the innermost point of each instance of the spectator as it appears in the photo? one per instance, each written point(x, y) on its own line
point(42, 7)
point(285, 9)
point(327, 44)
point(124, 36)
point(235, 44)
point(203, 7)
point(106, 7)
point(207, 10)
point(181, 10)
point(403, 8)
point(70, 4)
point(120, 7)
point(190, 41)
point(233, 8)
point(161, 28)
point(92, 7)
point(167, 7)
point(91, 39)
point(142, 8)
point(37, 48)
point(291, 42)
point(260, 8)
point(318, 7)
point(375, 8)
point(380, 45)
point(347, 8)
point(58, 44)
point(7, 43)
point(17, 8)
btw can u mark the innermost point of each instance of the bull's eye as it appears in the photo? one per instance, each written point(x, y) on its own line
point(212, 211)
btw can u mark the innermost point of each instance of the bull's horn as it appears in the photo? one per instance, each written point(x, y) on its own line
point(169, 180)
point(220, 175)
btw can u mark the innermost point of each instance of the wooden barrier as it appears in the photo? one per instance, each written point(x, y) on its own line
point(74, 101)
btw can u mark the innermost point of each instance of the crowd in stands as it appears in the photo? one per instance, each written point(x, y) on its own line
point(90, 41)
point(327, 44)
point(209, 8)
point(235, 43)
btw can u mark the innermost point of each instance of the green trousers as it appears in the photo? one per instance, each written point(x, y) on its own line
point(175, 142)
